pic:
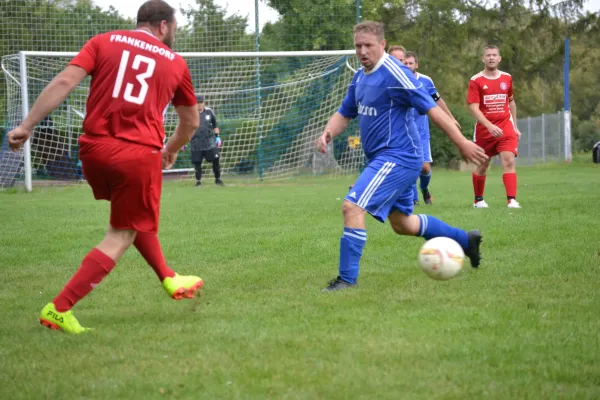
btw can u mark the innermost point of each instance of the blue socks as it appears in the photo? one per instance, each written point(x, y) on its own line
point(351, 247)
point(424, 180)
point(353, 241)
point(432, 227)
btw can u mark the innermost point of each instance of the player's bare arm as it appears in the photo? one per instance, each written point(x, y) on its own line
point(512, 105)
point(444, 107)
point(493, 129)
point(189, 121)
point(336, 125)
point(50, 98)
point(468, 149)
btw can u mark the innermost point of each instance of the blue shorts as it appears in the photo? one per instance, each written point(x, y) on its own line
point(384, 186)
point(426, 149)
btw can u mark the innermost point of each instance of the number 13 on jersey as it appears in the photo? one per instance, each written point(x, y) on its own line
point(141, 77)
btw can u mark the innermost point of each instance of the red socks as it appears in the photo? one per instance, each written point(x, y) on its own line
point(478, 186)
point(510, 183)
point(149, 247)
point(94, 267)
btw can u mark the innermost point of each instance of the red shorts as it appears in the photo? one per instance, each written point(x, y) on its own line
point(496, 145)
point(127, 174)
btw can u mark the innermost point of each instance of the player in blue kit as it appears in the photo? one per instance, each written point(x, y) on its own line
point(411, 60)
point(381, 95)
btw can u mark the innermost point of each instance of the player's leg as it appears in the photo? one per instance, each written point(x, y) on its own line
point(478, 177)
point(488, 143)
point(139, 208)
point(403, 222)
point(176, 286)
point(508, 150)
point(148, 245)
point(509, 177)
point(425, 177)
point(352, 243)
point(216, 167)
point(198, 172)
point(374, 192)
point(354, 210)
point(197, 157)
point(415, 193)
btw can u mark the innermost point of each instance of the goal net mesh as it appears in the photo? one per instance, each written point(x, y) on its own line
point(270, 110)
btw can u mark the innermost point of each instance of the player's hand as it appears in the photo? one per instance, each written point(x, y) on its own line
point(17, 137)
point(473, 153)
point(494, 130)
point(168, 158)
point(323, 141)
point(518, 132)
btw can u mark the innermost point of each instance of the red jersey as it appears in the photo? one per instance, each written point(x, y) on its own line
point(134, 77)
point(492, 95)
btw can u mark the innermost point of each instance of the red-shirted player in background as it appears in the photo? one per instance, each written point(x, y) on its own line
point(491, 102)
point(134, 77)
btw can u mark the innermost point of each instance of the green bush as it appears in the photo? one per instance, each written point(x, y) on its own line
point(586, 135)
point(442, 149)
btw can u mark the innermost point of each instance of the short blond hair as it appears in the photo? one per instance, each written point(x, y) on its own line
point(396, 47)
point(370, 27)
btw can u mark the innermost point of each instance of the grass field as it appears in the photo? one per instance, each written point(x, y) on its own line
point(526, 325)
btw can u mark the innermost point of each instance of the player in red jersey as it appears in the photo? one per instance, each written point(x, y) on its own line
point(134, 77)
point(491, 102)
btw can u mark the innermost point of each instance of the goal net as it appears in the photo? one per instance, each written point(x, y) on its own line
point(270, 108)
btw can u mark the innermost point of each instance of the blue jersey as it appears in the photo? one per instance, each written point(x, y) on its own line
point(421, 120)
point(382, 99)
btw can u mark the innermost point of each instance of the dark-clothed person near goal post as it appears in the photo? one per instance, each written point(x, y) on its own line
point(206, 143)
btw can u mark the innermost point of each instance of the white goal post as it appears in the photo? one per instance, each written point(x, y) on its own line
point(270, 108)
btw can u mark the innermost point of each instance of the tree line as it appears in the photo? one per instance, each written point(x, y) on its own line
point(448, 36)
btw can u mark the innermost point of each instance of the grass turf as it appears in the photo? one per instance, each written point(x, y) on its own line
point(525, 325)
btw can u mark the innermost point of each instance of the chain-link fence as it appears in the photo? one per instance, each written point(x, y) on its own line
point(543, 139)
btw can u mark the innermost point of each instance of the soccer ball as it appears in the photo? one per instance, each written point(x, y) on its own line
point(441, 258)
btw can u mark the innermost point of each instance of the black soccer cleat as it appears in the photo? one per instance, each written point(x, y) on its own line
point(427, 196)
point(472, 251)
point(338, 284)
point(219, 182)
point(198, 183)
